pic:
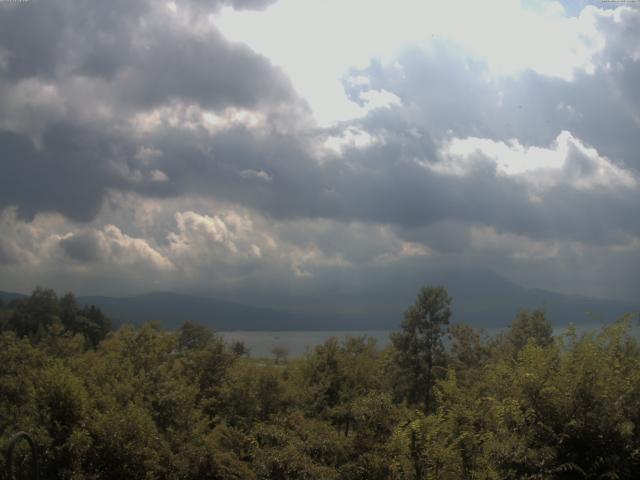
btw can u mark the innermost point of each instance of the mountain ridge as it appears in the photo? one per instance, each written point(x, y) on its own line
point(479, 298)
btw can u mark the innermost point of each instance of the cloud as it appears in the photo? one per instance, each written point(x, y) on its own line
point(72, 90)
point(83, 247)
point(259, 175)
point(110, 245)
point(213, 5)
point(67, 171)
point(568, 162)
point(201, 232)
point(174, 145)
point(223, 249)
point(220, 74)
point(503, 33)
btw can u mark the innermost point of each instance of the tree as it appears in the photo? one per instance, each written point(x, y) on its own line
point(240, 348)
point(89, 321)
point(468, 351)
point(530, 326)
point(33, 316)
point(280, 353)
point(95, 325)
point(194, 336)
point(419, 345)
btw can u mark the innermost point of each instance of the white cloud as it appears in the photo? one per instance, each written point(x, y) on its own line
point(359, 80)
point(231, 244)
point(196, 118)
point(125, 250)
point(350, 137)
point(158, 176)
point(19, 241)
point(404, 249)
point(198, 235)
point(29, 106)
point(304, 260)
point(379, 99)
point(147, 155)
point(568, 161)
point(259, 175)
point(50, 238)
point(211, 246)
point(486, 240)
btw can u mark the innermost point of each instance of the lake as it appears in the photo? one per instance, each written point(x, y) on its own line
point(297, 342)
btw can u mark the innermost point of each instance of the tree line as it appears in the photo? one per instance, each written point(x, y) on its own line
point(441, 401)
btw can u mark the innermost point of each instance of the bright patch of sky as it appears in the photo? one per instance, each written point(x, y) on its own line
point(316, 43)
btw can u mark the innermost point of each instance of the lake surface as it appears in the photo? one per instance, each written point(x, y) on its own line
point(297, 342)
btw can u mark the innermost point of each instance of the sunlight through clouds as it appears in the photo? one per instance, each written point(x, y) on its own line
point(318, 146)
point(567, 161)
point(328, 42)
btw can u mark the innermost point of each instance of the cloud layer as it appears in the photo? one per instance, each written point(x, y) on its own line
point(142, 148)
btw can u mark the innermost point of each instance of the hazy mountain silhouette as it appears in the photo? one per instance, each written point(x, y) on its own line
point(481, 298)
point(9, 296)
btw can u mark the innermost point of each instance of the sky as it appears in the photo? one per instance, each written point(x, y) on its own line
point(301, 150)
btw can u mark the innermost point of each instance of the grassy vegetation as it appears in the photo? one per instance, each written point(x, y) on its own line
point(143, 403)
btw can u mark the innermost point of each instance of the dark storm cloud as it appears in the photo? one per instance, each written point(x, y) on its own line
point(44, 37)
point(82, 247)
point(64, 159)
point(87, 37)
point(7, 256)
point(104, 111)
point(203, 69)
point(143, 65)
point(384, 184)
point(77, 156)
point(68, 173)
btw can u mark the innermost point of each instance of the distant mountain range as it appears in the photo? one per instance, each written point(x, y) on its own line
point(9, 296)
point(481, 298)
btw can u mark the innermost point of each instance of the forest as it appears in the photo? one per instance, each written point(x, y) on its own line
point(443, 401)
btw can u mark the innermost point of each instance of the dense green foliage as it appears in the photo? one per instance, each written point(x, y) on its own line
point(419, 349)
point(142, 403)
